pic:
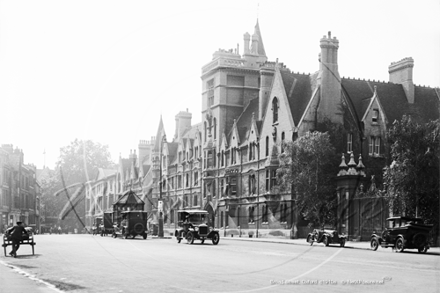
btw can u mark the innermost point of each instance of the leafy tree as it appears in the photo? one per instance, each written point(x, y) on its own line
point(78, 162)
point(307, 169)
point(413, 177)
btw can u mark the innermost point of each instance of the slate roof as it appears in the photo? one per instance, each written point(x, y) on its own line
point(244, 122)
point(298, 92)
point(392, 98)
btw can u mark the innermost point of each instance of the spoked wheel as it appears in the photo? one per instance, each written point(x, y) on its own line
point(179, 239)
point(189, 237)
point(374, 244)
point(399, 245)
point(310, 239)
point(215, 239)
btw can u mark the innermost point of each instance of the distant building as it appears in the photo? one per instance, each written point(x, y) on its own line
point(19, 191)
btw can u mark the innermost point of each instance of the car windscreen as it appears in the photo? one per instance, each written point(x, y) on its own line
point(197, 218)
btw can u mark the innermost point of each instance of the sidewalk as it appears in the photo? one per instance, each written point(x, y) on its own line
point(302, 241)
point(13, 279)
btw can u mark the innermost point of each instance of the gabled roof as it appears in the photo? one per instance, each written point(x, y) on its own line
point(245, 120)
point(298, 92)
point(129, 197)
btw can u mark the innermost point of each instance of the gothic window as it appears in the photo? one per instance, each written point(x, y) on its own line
point(250, 151)
point(222, 187)
point(252, 185)
point(294, 136)
point(251, 214)
point(187, 180)
point(215, 128)
point(233, 185)
point(267, 180)
point(213, 190)
point(273, 178)
point(283, 137)
point(195, 200)
point(349, 142)
point(265, 212)
point(223, 158)
point(275, 109)
point(374, 146)
point(196, 178)
point(267, 146)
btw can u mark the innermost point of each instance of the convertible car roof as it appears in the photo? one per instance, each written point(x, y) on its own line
point(193, 211)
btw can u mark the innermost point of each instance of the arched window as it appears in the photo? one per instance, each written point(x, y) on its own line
point(275, 109)
point(267, 146)
point(283, 136)
point(215, 128)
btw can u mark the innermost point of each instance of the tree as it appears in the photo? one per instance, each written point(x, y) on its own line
point(78, 163)
point(413, 177)
point(307, 169)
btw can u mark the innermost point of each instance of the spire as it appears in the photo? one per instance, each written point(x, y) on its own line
point(160, 134)
point(257, 31)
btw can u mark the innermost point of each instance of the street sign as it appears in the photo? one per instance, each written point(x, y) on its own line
point(160, 205)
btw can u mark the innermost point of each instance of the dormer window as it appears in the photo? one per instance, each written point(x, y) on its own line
point(375, 117)
point(275, 110)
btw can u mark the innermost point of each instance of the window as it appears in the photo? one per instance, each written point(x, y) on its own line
point(251, 214)
point(196, 179)
point(252, 185)
point(267, 180)
point(210, 93)
point(375, 117)
point(349, 142)
point(267, 146)
point(265, 212)
point(195, 200)
point(179, 181)
point(374, 146)
point(187, 180)
point(283, 137)
point(283, 213)
point(222, 187)
point(275, 109)
point(274, 178)
point(215, 128)
point(233, 185)
point(205, 129)
point(223, 158)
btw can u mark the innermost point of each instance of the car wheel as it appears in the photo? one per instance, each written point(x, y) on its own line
point(189, 237)
point(202, 240)
point(325, 241)
point(374, 244)
point(423, 249)
point(215, 238)
point(178, 239)
point(126, 236)
point(399, 245)
point(342, 242)
point(145, 235)
point(310, 239)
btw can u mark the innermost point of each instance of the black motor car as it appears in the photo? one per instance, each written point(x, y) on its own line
point(193, 225)
point(403, 233)
point(132, 223)
point(326, 236)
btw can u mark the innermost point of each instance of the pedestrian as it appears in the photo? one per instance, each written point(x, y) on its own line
point(59, 230)
point(16, 233)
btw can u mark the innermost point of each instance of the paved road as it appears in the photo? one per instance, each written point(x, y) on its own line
point(85, 263)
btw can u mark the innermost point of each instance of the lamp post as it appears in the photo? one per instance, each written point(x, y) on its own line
point(160, 201)
point(257, 143)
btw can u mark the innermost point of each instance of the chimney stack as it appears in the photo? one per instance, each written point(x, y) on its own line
point(401, 72)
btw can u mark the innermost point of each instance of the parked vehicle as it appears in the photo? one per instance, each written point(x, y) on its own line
point(326, 236)
point(132, 223)
point(403, 233)
point(107, 225)
point(193, 225)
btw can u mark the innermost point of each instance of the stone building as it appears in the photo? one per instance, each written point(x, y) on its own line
point(19, 191)
point(226, 164)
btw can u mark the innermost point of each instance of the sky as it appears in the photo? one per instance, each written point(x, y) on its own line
point(107, 70)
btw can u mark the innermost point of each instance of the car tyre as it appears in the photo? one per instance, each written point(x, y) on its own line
point(310, 239)
point(189, 237)
point(215, 238)
point(342, 242)
point(399, 245)
point(145, 235)
point(325, 241)
point(423, 249)
point(374, 244)
point(179, 239)
point(202, 241)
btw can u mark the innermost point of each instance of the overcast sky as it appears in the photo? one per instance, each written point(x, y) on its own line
point(106, 70)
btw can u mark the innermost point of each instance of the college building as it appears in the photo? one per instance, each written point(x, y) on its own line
point(226, 163)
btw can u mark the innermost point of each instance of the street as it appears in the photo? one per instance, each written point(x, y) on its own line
point(86, 263)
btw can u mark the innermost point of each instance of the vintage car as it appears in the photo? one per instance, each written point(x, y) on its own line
point(193, 225)
point(403, 233)
point(132, 223)
point(326, 236)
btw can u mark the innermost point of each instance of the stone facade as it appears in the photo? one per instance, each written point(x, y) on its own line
point(19, 190)
point(227, 163)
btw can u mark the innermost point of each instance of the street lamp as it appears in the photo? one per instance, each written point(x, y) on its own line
point(257, 144)
point(160, 201)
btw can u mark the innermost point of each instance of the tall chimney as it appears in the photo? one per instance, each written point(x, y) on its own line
point(247, 38)
point(330, 82)
point(401, 72)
